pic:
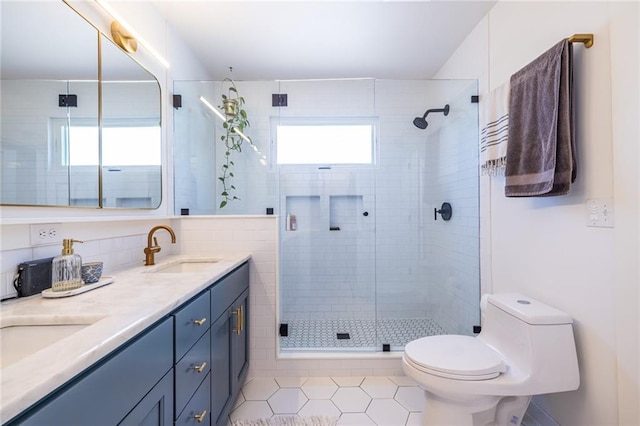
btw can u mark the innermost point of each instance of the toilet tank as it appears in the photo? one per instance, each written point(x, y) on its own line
point(535, 339)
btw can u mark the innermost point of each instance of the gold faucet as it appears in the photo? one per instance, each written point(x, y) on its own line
point(153, 248)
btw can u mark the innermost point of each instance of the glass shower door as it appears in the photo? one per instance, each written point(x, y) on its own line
point(427, 270)
point(327, 274)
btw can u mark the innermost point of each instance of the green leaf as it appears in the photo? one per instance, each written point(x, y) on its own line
point(233, 89)
point(231, 174)
point(235, 198)
point(233, 187)
point(243, 113)
point(222, 204)
point(221, 179)
point(224, 166)
point(227, 153)
point(224, 194)
point(224, 97)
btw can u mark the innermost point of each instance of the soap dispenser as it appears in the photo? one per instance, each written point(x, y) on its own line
point(66, 269)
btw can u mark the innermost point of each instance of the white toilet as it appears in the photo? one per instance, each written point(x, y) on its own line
point(525, 348)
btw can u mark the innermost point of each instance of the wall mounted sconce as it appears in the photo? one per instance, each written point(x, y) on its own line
point(122, 38)
point(127, 34)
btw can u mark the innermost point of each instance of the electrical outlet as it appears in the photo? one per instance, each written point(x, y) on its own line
point(43, 234)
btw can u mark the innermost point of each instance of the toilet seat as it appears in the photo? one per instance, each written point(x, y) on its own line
point(454, 357)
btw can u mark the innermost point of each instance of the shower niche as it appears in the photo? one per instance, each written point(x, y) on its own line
point(302, 213)
point(345, 212)
point(325, 213)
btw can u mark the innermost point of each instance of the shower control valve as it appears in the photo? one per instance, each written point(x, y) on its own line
point(445, 211)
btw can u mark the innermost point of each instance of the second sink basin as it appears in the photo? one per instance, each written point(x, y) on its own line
point(184, 266)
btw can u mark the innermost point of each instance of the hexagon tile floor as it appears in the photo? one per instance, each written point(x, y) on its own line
point(357, 401)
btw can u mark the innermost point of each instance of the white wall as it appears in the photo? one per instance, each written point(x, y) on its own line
point(542, 247)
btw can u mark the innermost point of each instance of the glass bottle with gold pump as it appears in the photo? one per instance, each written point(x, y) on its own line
point(66, 269)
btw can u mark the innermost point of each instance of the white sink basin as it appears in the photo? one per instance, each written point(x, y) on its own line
point(183, 266)
point(21, 336)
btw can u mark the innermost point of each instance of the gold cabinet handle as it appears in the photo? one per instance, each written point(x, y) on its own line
point(238, 313)
point(241, 317)
point(201, 367)
point(200, 417)
point(200, 321)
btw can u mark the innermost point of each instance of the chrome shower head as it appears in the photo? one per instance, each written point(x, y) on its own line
point(421, 122)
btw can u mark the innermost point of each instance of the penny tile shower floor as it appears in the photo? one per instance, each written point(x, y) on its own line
point(323, 335)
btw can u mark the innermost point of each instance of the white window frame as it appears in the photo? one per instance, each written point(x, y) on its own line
point(323, 121)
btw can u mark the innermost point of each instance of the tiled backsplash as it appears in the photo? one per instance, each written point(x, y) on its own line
point(118, 244)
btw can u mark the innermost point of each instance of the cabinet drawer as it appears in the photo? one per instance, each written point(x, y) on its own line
point(225, 291)
point(191, 322)
point(197, 411)
point(191, 370)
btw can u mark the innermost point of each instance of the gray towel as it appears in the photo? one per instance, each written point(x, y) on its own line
point(541, 150)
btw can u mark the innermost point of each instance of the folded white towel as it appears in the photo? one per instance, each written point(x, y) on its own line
point(494, 130)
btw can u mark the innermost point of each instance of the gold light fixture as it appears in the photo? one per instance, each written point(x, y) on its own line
point(122, 38)
point(130, 32)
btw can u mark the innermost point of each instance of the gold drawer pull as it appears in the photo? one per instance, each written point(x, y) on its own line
point(238, 313)
point(200, 417)
point(200, 367)
point(200, 321)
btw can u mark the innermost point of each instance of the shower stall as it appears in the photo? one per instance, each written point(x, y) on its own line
point(358, 180)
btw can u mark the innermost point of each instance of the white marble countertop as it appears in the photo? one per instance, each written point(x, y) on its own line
point(134, 301)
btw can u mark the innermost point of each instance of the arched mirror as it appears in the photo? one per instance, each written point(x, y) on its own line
point(74, 134)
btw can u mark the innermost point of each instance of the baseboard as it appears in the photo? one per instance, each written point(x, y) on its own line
point(536, 416)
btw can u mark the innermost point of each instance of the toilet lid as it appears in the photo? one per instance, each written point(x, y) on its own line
point(457, 357)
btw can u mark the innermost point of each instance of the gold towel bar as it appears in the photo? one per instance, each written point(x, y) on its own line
point(587, 39)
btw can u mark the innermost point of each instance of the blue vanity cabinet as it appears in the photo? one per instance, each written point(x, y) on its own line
point(156, 408)
point(186, 369)
point(194, 413)
point(192, 352)
point(134, 385)
point(229, 341)
point(240, 343)
point(220, 369)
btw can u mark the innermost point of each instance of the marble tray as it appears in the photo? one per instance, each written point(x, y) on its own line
point(50, 294)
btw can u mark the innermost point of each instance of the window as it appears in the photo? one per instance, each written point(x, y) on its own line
point(330, 141)
point(123, 143)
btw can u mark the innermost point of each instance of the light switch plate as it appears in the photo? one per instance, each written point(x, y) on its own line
point(600, 212)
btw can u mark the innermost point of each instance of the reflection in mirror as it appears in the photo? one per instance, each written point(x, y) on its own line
point(36, 72)
point(130, 132)
point(50, 155)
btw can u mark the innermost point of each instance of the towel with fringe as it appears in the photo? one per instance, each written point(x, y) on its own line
point(494, 119)
point(541, 159)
